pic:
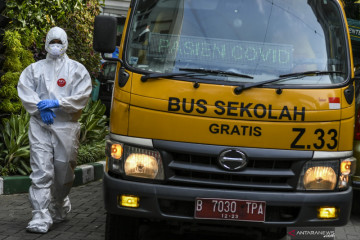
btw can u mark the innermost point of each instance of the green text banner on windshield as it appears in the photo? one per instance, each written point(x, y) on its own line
point(240, 54)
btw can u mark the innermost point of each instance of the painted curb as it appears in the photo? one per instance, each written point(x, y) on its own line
point(1, 186)
point(83, 174)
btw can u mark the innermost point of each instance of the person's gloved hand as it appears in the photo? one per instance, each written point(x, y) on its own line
point(47, 103)
point(47, 116)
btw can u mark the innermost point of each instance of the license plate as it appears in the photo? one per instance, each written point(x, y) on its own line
point(230, 209)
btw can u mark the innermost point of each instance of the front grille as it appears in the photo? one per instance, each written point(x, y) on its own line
point(259, 174)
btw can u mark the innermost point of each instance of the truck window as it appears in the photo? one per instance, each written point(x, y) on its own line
point(260, 38)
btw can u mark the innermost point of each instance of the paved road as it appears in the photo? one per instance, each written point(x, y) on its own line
point(87, 220)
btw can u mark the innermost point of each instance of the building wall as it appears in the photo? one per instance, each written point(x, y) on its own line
point(116, 8)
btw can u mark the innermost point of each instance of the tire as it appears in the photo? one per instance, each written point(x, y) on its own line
point(121, 227)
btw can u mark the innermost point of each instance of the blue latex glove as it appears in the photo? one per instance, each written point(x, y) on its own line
point(47, 116)
point(47, 103)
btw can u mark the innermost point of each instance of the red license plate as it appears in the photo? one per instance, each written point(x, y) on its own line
point(230, 209)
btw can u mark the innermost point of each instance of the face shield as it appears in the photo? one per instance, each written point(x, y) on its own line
point(57, 35)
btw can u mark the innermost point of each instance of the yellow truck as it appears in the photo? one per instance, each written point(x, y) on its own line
point(229, 114)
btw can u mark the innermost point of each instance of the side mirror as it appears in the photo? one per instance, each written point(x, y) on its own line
point(104, 41)
point(105, 29)
point(104, 34)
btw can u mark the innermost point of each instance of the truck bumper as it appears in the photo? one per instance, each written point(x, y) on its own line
point(177, 203)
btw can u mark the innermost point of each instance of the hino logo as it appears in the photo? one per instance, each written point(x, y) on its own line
point(232, 159)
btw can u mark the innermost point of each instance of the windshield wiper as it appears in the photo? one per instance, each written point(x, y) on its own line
point(309, 73)
point(217, 72)
point(242, 87)
point(169, 75)
point(192, 72)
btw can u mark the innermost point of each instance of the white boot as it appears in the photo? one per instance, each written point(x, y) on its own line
point(41, 222)
point(59, 211)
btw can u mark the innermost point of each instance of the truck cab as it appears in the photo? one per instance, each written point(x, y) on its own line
point(230, 114)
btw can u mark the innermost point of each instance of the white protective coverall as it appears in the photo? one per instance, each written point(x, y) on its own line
point(53, 148)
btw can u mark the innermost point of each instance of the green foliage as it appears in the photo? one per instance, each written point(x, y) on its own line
point(38, 15)
point(93, 130)
point(17, 58)
point(91, 153)
point(92, 134)
point(26, 58)
point(14, 146)
point(79, 26)
point(10, 78)
point(9, 106)
point(29, 37)
point(93, 123)
point(8, 90)
point(12, 40)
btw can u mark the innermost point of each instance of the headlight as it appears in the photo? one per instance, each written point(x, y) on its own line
point(143, 163)
point(326, 175)
point(320, 178)
point(319, 175)
point(134, 161)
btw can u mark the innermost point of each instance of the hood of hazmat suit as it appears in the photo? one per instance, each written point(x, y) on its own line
point(53, 148)
point(59, 34)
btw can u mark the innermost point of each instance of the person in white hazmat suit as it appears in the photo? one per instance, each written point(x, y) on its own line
point(54, 91)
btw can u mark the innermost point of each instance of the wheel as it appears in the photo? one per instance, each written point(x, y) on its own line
point(121, 227)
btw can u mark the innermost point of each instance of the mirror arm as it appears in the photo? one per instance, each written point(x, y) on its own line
point(112, 59)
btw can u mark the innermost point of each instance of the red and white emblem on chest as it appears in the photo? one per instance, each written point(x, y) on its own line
point(61, 82)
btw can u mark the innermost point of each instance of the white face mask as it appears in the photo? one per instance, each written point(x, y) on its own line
point(56, 49)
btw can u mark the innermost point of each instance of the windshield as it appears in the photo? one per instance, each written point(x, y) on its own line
point(260, 38)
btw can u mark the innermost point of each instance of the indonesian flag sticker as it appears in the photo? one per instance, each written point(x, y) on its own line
point(61, 82)
point(334, 103)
